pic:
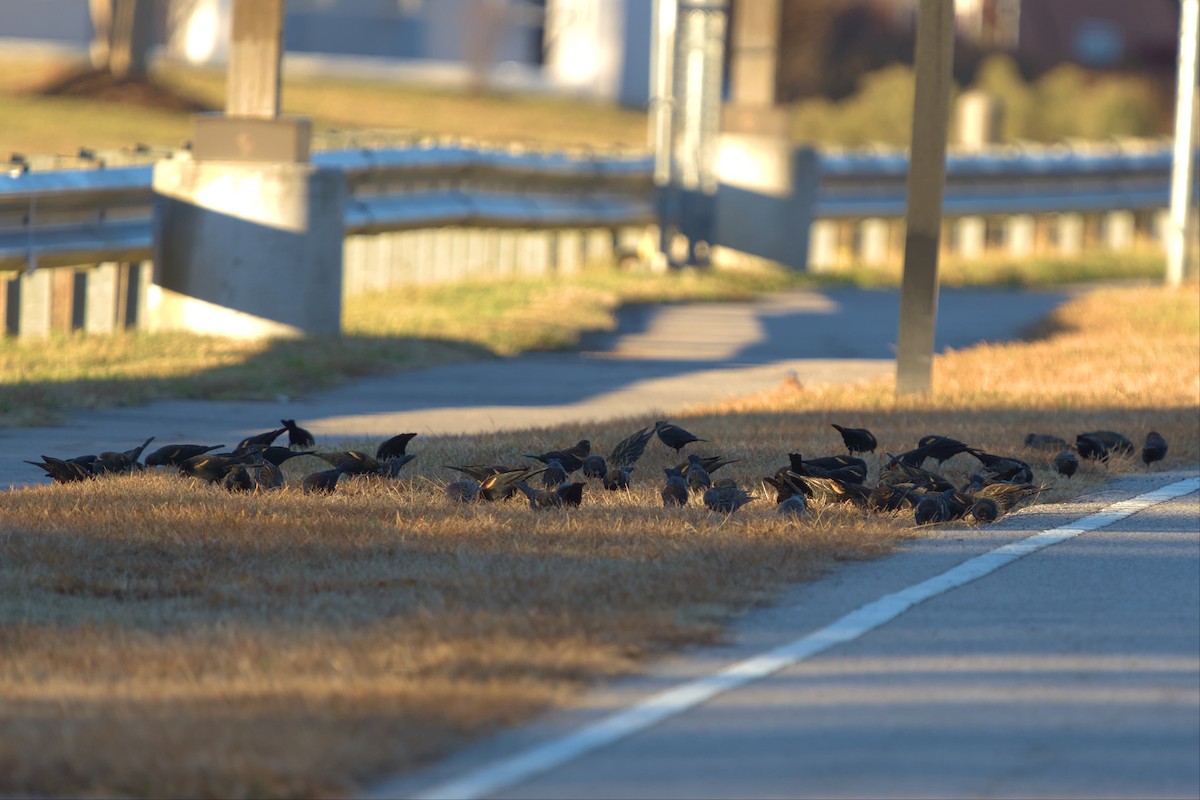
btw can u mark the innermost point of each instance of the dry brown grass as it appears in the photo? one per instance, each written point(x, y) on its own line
point(160, 638)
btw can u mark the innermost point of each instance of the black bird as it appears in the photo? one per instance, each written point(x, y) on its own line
point(297, 436)
point(571, 458)
point(1004, 468)
point(63, 470)
point(942, 448)
point(213, 467)
point(571, 494)
point(353, 462)
point(1046, 441)
point(1008, 495)
point(617, 478)
point(674, 436)
point(481, 472)
point(1155, 448)
point(1088, 446)
point(122, 462)
point(390, 467)
point(710, 463)
point(828, 464)
point(594, 466)
point(697, 476)
point(1066, 463)
point(857, 440)
point(502, 485)
point(395, 446)
point(1115, 442)
point(324, 482)
point(726, 496)
point(173, 454)
point(675, 492)
point(261, 439)
point(630, 449)
point(554, 474)
point(277, 455)
point(899, 472)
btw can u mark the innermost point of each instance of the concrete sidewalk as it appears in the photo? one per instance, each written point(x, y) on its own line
point(660, 360)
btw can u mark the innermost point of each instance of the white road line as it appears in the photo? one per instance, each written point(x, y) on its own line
point(511, 771)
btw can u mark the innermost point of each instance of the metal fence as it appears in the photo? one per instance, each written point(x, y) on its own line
point(435, 212)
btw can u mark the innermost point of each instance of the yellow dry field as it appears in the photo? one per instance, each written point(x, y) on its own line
point(163, 638)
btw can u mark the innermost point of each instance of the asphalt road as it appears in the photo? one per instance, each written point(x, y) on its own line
point(660, 360)
point(1071, 672)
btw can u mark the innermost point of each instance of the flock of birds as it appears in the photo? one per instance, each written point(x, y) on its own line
point(997, 486)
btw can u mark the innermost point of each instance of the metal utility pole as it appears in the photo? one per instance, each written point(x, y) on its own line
point(1183, 168)
point(687, 70)
point(926, 181)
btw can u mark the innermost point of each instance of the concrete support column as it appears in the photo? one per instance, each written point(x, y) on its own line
point(873, 241)
point(972, 237)
point(100, 303)
point(1019, 231)
point(248, 249)
point(1119, 230)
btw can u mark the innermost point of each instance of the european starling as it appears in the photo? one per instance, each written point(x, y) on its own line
point(857, 440)
point(630, 449)
point(393, 447)
point(554, 474)
point(726, 496)
point(840, 466)
point(1066, 463)
point(268, 475)
point(353, 462)
point(892, 497)
point(324, 482)
point(710, 463)
point(674, 436)
point(793, 506)
point(931, 509)
point(1008, 495)
point(481, 472)
point(571, 458)
point(1155, 448)
point(1115, 442)
point(594, 466)
point(465, 490)
point(675, 492)
point(617, 478)
point(173, 454)
point(1088, 446)
point(297, 436)
point(1045, 441)
point(898, 472)
point(540, 498)
point(238, 480)
point(985, 509)
point(261, 439)
point(697, 476)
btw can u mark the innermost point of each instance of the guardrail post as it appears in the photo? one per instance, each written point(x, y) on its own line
point(823, 245)
point(100, 305)
point(873, 241)
point(248, 233)
point(1070, 234)
point(971, 237)
point(35, 304)
point(1019, 234)
point(1119, 230)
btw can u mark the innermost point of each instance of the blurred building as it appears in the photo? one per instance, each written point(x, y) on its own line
point(592, 48)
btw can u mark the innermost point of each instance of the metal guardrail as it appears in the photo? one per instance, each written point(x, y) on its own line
point(73, 217)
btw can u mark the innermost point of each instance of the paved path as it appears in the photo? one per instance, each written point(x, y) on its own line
point(661, 359)
point(1072, 672)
